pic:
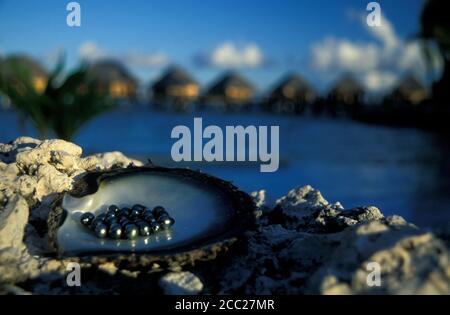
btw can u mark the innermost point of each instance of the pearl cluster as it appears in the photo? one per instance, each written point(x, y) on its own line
point(127, 223)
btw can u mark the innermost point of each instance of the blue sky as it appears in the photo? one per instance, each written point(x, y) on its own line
point(262, 39)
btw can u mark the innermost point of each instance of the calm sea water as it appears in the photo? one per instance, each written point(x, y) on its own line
point(402, 171)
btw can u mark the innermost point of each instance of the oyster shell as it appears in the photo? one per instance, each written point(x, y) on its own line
point(209, 212)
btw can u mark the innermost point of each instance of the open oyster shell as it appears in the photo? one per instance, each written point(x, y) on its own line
point(210, 213)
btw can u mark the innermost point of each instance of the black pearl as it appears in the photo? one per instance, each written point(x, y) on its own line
point(115, 231)
point(131, 231)
point(155, 226)
point(149, 218)
point(101, 230)
point(113, 209)
point(87, 218)
point(125, 211)
point(101, 216)
point(96, 222)
point(124, 221)
point(147, 212)
point(111, 214)
point(134, 214)
point(165, 221)
point(110, 219)
point(122, 213)
point(139, 208)
point(144, 228)
point(158, 210)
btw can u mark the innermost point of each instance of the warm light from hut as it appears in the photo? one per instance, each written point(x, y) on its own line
point(188, 91)
point(417, 96)
point(289, 92)
point(238, 93)
point(39, 83)
point(118, 89)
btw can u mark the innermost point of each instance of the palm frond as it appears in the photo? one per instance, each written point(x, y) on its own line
point(64, 106)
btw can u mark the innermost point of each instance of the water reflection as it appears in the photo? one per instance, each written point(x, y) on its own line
point(431, 198)
point(403, 171)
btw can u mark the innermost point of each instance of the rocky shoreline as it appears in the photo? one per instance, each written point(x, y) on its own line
point(302, 244)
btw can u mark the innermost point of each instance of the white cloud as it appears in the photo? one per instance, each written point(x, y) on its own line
point(379, 81)
point(229, 54)
point(411, 56)
point(385, 33)
point(333, 54)
point(90, 51)
point(147, 60)
point(378, 64)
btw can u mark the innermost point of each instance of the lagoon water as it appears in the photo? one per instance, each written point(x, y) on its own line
point(402, 171)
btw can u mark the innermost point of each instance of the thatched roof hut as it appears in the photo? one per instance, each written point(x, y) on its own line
point(175, 85)
point(231, 89)
point(114, 79)
point(293, 88)
point(13, 63)
point(292, 93)
point(409, 90)
point(346, 91)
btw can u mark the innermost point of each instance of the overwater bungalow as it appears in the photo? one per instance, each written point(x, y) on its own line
point(230, 92)
point(114, 79)
point(291, 94)
point(406, 105)
point(410, 91)
point(345, 96)
point(24, 64)
point(176, 88)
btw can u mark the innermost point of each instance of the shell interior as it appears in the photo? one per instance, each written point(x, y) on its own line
point(200, 210)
